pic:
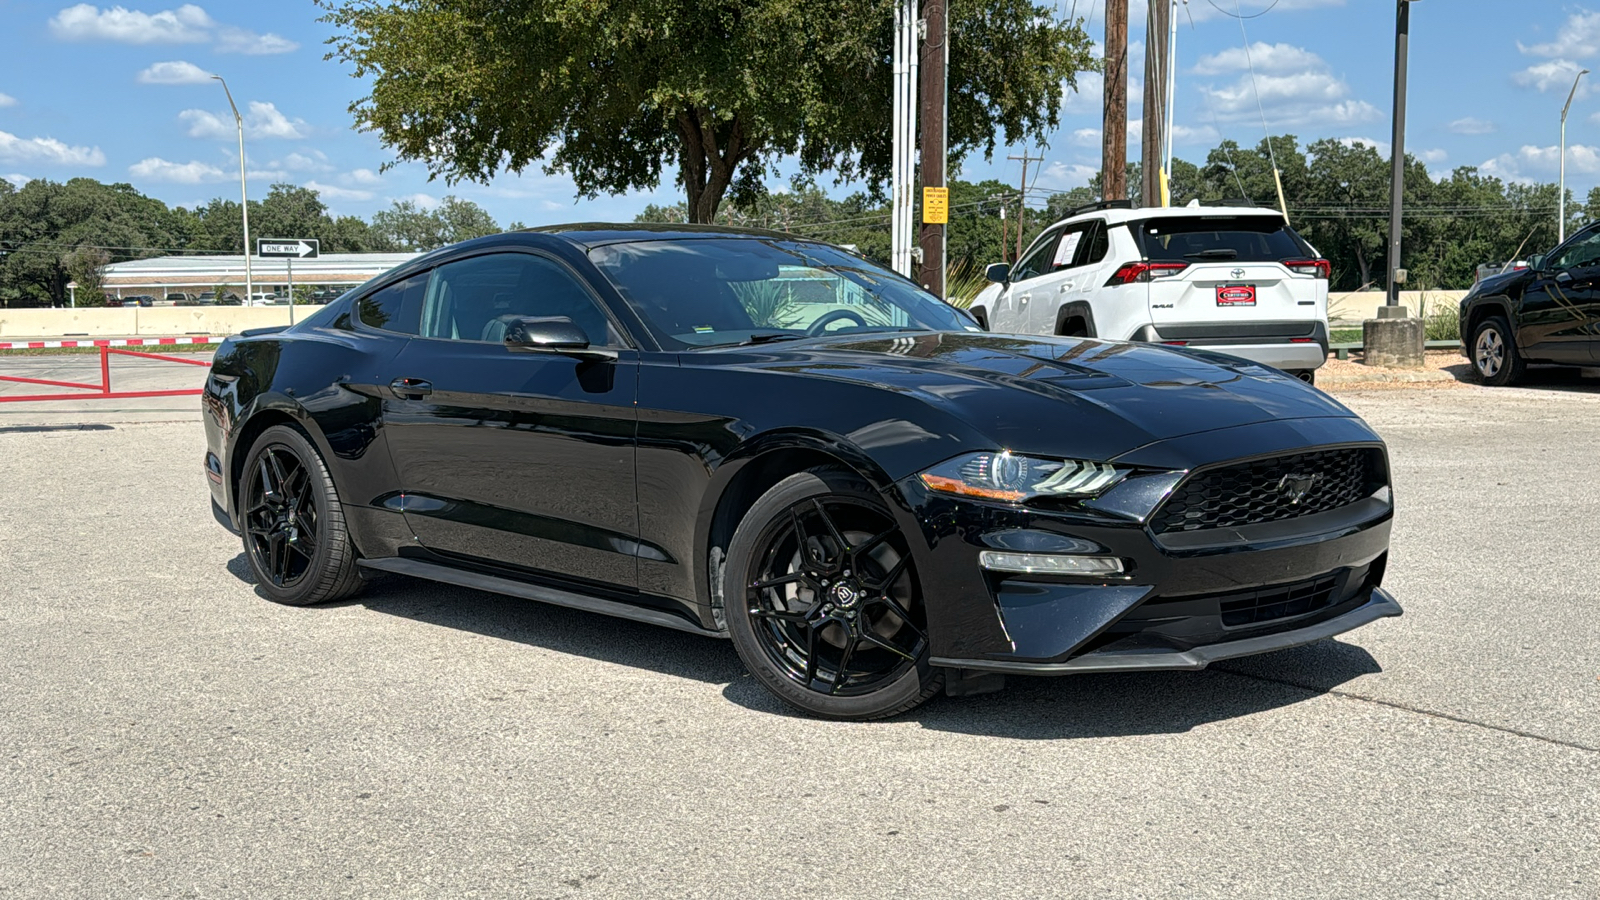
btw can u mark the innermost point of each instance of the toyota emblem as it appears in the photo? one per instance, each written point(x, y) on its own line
point(1237, 273)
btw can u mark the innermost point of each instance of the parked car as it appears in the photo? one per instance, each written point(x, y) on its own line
point(873, 498)
point(138, 300)
point(265, 299)
point(1545, 313)
point(1234, 280)
point(178, 298)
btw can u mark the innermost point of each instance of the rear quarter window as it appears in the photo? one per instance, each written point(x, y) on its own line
point(1191, 238)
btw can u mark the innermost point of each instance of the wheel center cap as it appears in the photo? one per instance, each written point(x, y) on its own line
point(845, 594)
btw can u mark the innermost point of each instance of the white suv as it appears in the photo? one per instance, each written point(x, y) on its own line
point(1235, 280)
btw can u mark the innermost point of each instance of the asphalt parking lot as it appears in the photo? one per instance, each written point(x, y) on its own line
point(166, 732)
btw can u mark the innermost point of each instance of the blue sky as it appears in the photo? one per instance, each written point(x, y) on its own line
point(121, 93)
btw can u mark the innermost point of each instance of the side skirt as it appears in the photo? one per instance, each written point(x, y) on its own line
point(479, 581)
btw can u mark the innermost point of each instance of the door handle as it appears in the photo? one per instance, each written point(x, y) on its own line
point(1024, 298)
point(410, 388)
point(1066, 286)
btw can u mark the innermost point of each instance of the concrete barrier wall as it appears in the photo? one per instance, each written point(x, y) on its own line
point(155, 321)
point(1360, 305)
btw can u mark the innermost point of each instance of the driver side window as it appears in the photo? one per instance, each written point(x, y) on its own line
point(1581, 254)
point(476, 299)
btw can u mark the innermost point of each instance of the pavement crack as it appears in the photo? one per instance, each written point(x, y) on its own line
point(1406, 707)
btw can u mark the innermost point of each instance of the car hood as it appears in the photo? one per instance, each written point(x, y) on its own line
point(1054, 396)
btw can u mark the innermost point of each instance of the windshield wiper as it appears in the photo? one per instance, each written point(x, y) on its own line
point(770, 338)
point(1214, 253)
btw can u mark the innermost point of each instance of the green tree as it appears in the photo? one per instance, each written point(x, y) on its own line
point(405, 225)
point(614, 91)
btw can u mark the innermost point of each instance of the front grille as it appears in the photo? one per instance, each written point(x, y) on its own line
point(1268, 604)
point(1270, 490)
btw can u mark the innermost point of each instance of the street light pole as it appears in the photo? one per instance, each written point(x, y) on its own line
point(244, 196)
point(1397, 148)
point(1561, 225)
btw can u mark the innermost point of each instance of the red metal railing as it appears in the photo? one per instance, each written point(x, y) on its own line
point(101, 391)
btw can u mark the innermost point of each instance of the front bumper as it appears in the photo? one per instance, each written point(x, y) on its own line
point(1378, 604)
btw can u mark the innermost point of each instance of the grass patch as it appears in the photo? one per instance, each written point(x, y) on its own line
point(1345, 336)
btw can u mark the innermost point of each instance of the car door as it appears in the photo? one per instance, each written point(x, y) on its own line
point(1012, 310)
point(1561, 305)
point(1057, 278)
point(522, 459)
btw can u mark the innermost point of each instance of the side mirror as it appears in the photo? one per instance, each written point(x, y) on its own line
point(1536, 262)
point(999, 273)
point(552, 334)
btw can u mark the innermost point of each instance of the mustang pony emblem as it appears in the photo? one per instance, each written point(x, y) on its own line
point(1295, 487)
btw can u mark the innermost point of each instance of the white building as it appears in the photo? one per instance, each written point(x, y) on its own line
point(192, 275)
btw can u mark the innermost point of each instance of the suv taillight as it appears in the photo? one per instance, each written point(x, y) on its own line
point(1133, 272)
point(1318, 267)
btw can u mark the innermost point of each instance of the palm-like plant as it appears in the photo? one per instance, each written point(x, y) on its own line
point(769, 304)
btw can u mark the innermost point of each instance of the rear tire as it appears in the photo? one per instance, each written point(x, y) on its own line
point(1495, 359)
point(823, 603)
point(292, 522)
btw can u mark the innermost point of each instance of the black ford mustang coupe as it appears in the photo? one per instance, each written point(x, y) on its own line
point(754, 436)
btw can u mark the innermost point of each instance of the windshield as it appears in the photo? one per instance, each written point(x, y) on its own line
point(1224, 238)
point(715, 292)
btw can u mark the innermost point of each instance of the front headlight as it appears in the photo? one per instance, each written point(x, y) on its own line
point(1010, 477)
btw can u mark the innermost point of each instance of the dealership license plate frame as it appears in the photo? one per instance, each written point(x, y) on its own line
point(1223, 298)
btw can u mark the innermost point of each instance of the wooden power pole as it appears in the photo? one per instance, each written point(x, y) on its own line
point(935, 63)
point(1114, 131)
point(1152, 155)
point(1022, 198)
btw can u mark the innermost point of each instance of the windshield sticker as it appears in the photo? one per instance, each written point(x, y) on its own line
point(1068, 247)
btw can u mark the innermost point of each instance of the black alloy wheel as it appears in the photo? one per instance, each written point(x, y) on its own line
point(1494, 355)
point(292, 522)
point(825, 607)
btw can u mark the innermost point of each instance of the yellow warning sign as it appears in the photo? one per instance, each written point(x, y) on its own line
point(935, 206)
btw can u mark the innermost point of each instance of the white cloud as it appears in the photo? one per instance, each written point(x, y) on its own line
point(1204, 11)
point(158, 169)
point(264, 120)
point(188, 24)
point(261, 120)
point(48, 151)
point(1268, 58)
point(551, 205)
point(300, 162)
point(360, 176)
point(266, 176)
point(175, 72)
point(17, 180)
point(1469, 125)
point(1530, 161)
point(1295, 89)
point(1431, 157)
point(7, 100)
point(1380, 146)
point(333, 192)
point(238, 40)
point(1578, 37)
point(426, 201)
point(1059, 176)
point(1555, 75)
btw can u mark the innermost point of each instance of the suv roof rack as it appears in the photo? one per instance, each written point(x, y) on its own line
point(1096, 207)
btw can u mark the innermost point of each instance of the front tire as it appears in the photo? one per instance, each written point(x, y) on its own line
point(293, 524)
point(1495, 359)
point(823, 602)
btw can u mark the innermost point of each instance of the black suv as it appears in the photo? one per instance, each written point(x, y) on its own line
point(1546, 313)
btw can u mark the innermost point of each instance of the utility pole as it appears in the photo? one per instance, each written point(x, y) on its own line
point(1114, 124)
point(1022, 198)
point(1397, 148)
point(903, 144)
point(1152, 163)
point(934, 70)
point(1561, 215)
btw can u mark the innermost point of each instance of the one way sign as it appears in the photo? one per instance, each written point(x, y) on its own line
point(293, 248)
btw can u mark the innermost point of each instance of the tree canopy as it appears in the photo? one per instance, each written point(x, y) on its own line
point(614, 91)
point(53, 233)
